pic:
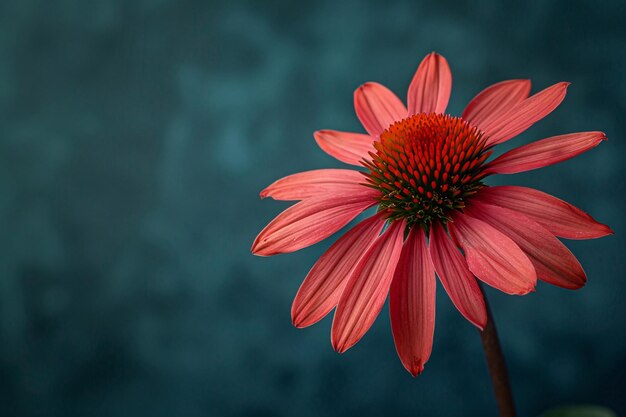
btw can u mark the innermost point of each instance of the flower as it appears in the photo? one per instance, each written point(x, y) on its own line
point(426, 172)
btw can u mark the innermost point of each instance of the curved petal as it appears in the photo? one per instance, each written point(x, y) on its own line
point(430, 88)
point(560, 218)
point(456, 277)
point(345, 146)
point(553, 262)
point(377, 107)
point(322, 287)
point(315, 183)
point(524, 114)
point(310, 221)
point(495, 100)
point(412, 303)
point(493, 257)
point(367, 289)
point(544, 152)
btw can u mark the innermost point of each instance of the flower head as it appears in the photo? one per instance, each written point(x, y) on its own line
point(426, 166)
point(426, 172)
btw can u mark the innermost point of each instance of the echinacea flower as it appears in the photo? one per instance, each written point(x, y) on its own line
point(426, 171)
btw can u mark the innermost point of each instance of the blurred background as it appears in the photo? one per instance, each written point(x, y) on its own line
point(135, 137)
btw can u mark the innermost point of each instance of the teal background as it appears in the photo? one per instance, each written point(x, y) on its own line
point(135, 137)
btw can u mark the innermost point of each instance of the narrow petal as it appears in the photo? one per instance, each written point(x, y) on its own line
point(345, 146)
point(560, 218)
point(553, 262)
point(456, 277)
point(367, 289)
point(315, 183)
point(545, 152)
point(311, 221)
point(322, 287)
point(377, 107)
point(493, 257)
point(412, 303)
point(496, 100)
point(524, 114)
point(430, 88)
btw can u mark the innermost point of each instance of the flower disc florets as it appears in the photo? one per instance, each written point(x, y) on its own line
point(425, 166)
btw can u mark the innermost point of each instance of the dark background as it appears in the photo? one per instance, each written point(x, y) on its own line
point(135, 137)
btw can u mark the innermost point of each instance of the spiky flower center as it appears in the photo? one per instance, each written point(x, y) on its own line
point(426, 166)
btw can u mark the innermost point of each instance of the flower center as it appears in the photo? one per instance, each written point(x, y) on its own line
point(425, 166)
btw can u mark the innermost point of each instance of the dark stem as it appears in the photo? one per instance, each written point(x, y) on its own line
point(497, 366)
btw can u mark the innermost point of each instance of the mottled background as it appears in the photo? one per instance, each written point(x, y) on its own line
point(135, 137)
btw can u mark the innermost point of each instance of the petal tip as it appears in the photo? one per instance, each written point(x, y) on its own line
point(532, 287)
point(524, 81)
point(481, 323)
point(606, 230)
point(298, 317)
point(576, 286)
point(253, 248)
point(369, 85)
point(320, 139)
point(416, 368)
point(319, 133)
point(435, 54)
point(297, 321)
point(259, 249)
point(339, 346)
point(480, 320)
point(340, 343)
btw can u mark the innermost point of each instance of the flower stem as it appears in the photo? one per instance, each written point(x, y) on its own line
point(497, 366)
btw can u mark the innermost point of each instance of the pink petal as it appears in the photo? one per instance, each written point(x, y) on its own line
point(310, 221)
point(545, 152)
point(346, 147)
point(553, 262)
point(377, 108)
point(493, 257)
point(412, 303)
point(322, 287)
point(560, 218)
point(495, 100)
point(456, 278)
point(524, 114)
point(315, 183)
point(367, 289)
point(430, 88)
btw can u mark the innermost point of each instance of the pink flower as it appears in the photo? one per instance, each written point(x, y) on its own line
point(426, 170)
